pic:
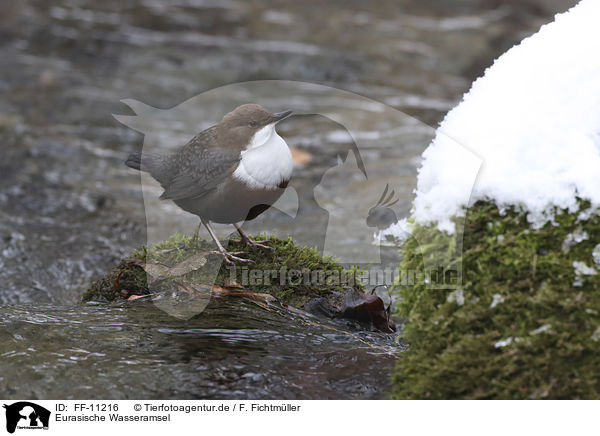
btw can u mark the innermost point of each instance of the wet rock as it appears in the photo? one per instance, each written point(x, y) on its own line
point(367, 308)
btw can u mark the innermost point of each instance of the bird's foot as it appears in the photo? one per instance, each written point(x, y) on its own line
point(246, 240)
point(231, 258)
point(257, 244)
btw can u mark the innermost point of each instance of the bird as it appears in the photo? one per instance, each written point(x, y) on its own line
point(229, 173)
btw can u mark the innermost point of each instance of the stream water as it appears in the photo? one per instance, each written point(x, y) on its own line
point(69, 208)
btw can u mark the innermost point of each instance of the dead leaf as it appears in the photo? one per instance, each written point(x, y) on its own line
point(137, 297)
point(201, 289)
point(117, 282)
point(230, 284)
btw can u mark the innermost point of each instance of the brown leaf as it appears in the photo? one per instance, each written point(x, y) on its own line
point(258, 297)
point(255, 297)
point(117, 282)
point(137, 297)
point(230, 284)
point(201, 290)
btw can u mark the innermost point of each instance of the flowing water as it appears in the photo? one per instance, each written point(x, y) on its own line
point(231, 351)
point(69, 208)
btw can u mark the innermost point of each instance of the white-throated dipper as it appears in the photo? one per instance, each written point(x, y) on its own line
point(228, 173)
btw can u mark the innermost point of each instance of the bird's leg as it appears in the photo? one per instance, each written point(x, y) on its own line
point(229, 257)
point(195, 238)
point(248, 241)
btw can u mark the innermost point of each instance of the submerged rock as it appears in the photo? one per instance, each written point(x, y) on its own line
point(289, 275)
point(524, 321)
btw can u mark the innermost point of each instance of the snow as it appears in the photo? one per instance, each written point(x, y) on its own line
point(572, 239)
point(541, 329)
point(457, 296)
point(496, 299)
point(596, 255)
point(506, 342)
point(528, 131)
point(581, 270)
point(399, 231)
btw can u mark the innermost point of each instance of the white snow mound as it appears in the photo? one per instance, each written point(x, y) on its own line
point(534, 121)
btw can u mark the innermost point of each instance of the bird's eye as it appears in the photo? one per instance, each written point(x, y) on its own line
point(252, 123)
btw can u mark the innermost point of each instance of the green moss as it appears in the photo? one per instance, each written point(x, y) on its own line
point(286, 285)
point(524, 322)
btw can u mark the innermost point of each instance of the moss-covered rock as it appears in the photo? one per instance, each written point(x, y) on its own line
point(293, 289)
point(523, 323)
point(295, 275)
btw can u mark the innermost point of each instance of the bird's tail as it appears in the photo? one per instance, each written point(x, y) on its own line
point(156, 164)
point(148, 162)
point(134, 161)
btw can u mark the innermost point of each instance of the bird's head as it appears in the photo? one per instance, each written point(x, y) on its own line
point(250, 124)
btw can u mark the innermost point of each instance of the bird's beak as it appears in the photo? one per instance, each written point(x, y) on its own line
point(280, 116)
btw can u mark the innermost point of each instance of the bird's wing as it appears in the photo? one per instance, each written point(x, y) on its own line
point(200, 174)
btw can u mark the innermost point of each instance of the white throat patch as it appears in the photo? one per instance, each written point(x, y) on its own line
point(262, 136)
point(266, 162)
